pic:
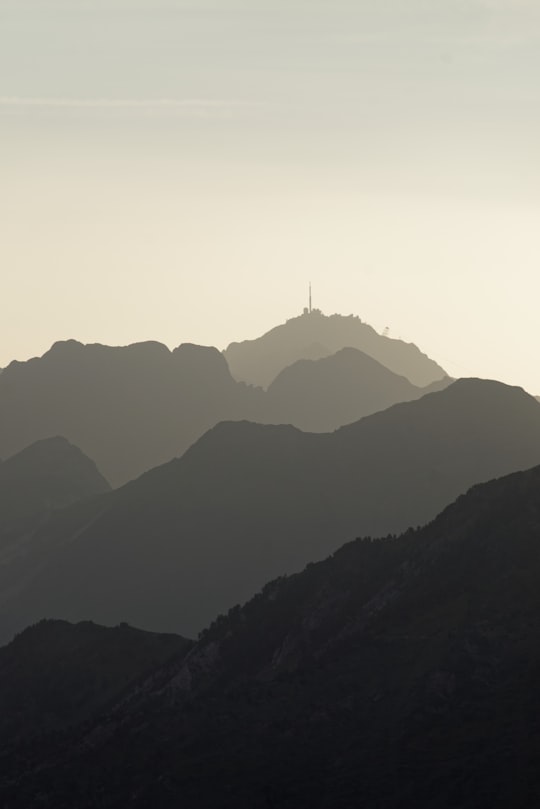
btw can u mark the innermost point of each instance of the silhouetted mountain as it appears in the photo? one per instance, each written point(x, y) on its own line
point(128, 408)
point(135, 407)
point(322, 395)
point(43, 477)
point(314, 335)
point(55, 674)
point(249, 502)
point(399, 673)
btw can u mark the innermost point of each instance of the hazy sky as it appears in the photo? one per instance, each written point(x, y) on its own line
point(179, 170)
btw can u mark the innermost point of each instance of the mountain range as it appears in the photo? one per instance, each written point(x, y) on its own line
point(314, 336)
point(249, 502)
point(126, 408)
point(399, 672)
point(136, 407)
point(395, 671)
point(322, 395)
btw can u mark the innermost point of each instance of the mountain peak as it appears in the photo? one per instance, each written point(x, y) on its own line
point(204, 361)
point(323, 394)
point(54, 455)
point(259, 361)
point(65, 346)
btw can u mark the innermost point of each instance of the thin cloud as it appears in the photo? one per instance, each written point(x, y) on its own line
point(189, 106)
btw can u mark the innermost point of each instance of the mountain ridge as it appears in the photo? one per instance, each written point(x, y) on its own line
point(128, 407)
point(54, 675)
point(322, 395)
point(134, 407)
point(45, 476)
point(259, 361)
point(248, 502)
point(398, 672)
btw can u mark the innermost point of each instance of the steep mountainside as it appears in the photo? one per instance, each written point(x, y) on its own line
point(322, 395)
point(314, 335)
point(249, 502)
point(43, 477)
point(398, 673)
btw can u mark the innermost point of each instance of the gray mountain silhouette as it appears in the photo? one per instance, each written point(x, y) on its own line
point(400, 672)
point(322, 395)
point(313, 336)
point(128, 408)
point(249, 502)
point(136, 407)
point(46, 476)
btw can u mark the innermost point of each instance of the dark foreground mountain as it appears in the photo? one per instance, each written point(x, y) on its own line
point(399, 673)
point(322, 395)
point(42, 478)
point(55, 675)
point(314, 335)
point(250, 502)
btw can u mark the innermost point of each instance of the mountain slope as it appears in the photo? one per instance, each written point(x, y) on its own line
point(322, 395)
point(249, 502)
point(397, 673)
point(314, 335)
point(136, 407)
point(55, 675)
point(128, 408)
point(43, 477)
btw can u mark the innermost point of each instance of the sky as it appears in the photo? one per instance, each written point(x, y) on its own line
point(180, 170)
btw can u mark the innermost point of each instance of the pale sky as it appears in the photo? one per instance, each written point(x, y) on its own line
point(179, 170)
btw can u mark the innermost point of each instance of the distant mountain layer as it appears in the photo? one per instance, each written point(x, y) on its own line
point(397, 673)
point(322, 395)
point(249, 502)
point(42, 478)
point(128, 408)
point(313, 336)
point(134, 408)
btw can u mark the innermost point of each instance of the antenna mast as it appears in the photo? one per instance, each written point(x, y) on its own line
point(310, 297)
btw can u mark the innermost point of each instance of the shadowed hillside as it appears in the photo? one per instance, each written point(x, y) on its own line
point(314, 335)
point(249, 502)
point(398, 673)
point(55, 675)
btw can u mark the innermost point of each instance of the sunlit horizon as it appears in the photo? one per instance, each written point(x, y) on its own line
point(179, 174)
